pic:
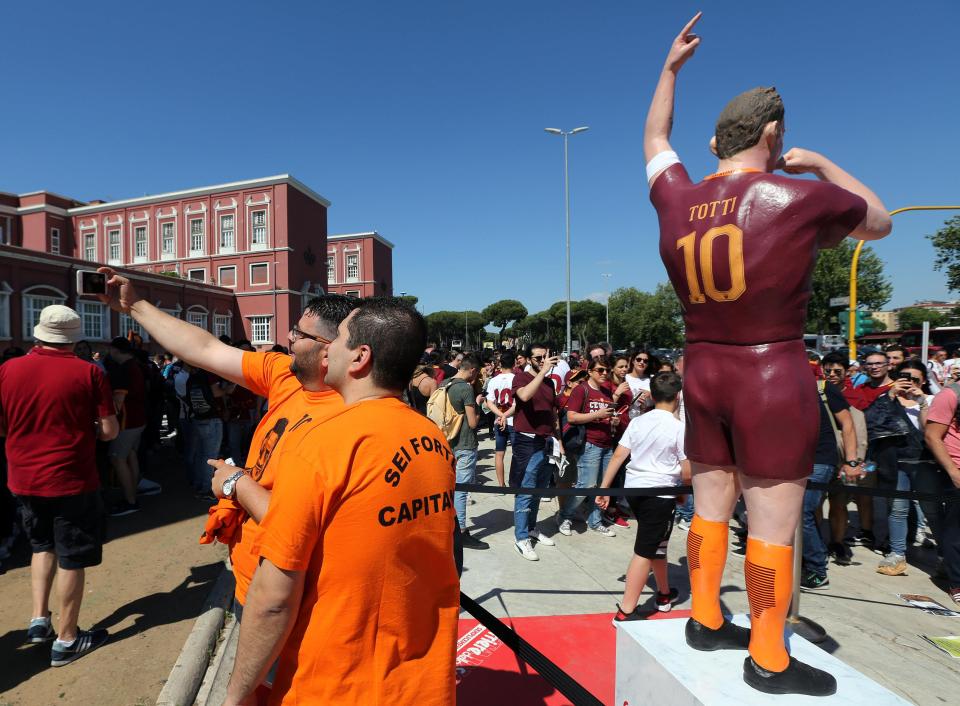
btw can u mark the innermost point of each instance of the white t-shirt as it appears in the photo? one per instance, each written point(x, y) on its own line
point(913, 412)
point(500, 394)
point(638, 385)
point(655, 441)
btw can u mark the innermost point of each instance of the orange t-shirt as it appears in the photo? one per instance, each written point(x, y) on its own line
point(290, 408)
point(366, 511)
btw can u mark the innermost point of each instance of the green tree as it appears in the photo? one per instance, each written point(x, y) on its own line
point(409, 300)
point(501, 313)
point(914, 316)
point(946, 243)
point(443, 326)
point(587, 321)
point(643, 318)
point(831, 278)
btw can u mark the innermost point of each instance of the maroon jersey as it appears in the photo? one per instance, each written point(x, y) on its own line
point(740, 249)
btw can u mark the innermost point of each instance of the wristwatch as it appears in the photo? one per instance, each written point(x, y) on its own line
point(853, 464)
point(230, 484)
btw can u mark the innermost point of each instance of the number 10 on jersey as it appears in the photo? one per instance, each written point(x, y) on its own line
point(734, 240)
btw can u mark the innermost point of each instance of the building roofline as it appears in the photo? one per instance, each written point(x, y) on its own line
point(369, 234)
point(205, 191)
point(51, 193)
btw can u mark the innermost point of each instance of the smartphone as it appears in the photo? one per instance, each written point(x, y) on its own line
point(904, 376)
point(91, 282)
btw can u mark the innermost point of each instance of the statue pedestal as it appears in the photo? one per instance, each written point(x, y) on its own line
point(655, 666)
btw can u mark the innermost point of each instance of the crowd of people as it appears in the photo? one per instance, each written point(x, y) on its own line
point(597, 420)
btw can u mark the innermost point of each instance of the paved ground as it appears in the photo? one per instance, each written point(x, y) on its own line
point(868, 626)
point(147, 593)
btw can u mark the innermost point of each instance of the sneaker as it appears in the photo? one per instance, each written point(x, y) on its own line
point(525, 547)
point(840, 553)
point(893, 565)
point(540, 538)
point(40, 630)
point(617, 519)
point(863, 538)
point(634, 614)
point(546, 498)
point(683, 524)
point(726, 637)
point(881, 549)
point(604, 530)
point(148, 487)
point(86, 641)
point(666, 601)
point(814, 582)
point(468, 541)
point(124, 508)
point(797, 678)
point(566, 528)
point(954, 592)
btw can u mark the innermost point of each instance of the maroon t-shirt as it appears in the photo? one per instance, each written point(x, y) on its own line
point(128, 376)
point(50, 400)
point(538, 414)
point(599, 433)
point(750, 238)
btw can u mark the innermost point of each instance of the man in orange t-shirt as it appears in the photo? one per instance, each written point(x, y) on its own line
point(357, 591)
point(297, 398)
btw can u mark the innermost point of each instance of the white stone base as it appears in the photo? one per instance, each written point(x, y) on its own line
point(655, 666)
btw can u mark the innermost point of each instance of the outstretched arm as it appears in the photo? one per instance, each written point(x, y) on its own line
point(656, 133)
point(876, 224)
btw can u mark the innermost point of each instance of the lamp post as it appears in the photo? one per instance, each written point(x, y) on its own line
point(566, 202)
point(852, 322)
point(465, 340)
point(607, 276)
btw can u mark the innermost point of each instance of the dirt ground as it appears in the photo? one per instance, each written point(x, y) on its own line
point(147, 592)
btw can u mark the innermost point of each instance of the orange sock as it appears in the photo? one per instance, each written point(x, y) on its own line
point(769, 575)
point(706, 556)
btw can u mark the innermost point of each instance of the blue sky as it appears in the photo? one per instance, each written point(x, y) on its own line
point(424, 120)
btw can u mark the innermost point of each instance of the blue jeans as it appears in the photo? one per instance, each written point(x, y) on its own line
point(206, 437)
point(535, 474)
point(590, 465)
point(466, 473)
point(814, 550)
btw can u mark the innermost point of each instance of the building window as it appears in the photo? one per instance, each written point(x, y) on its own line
point(140, 243)
point(352, 293)
point(228, 240)
point(197, 275)
point(222, 325)
point(331, 268)
point(95, 319)
point(3, 234)
point(196, 236)
point(197, 317)
point(260, 273)
point(353, 267)
point(33, 304)
point(167, 241)
point(113, 239)
point(227, 276)
point(260, 330)
point(259, 238)
point(55, 241)
point(90, 247)
point(128, 324)
point(5, 290)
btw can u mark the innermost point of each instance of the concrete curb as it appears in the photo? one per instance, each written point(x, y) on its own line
point(191, 666)
point(213, 689)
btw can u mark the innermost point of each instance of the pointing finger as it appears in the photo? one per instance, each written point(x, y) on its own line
point(691, 23)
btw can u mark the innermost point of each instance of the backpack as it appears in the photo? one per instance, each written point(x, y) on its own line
point(441, 412)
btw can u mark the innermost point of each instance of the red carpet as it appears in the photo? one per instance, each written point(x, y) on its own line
point(584, 646)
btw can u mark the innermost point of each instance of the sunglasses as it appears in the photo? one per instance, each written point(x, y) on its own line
point(601, 371)
point(917, 380)
point(834, 371)
point(538, 358)
point(297, 333)
point(641, 360)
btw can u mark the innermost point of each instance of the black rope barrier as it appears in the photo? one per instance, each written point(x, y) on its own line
point(950, 496)
point(559, 679)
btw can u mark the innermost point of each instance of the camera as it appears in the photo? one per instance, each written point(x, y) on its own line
point(904, 376)
point(91, 282)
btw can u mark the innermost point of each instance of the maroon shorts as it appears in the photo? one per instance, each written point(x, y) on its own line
point(753, 407)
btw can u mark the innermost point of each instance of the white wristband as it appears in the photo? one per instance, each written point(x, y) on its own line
point(660, 162)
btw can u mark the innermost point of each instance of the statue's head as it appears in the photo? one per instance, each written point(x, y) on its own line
point(752, 119)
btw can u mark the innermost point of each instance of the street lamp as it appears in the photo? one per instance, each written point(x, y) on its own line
point(607, 276)
point(566, 202)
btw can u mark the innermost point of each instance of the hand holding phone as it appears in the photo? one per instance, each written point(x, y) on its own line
point(91, 282)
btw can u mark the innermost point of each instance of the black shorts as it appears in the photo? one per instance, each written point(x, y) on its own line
point(654, 525)
point(71, 526)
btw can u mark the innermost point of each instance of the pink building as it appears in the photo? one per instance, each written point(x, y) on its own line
point(257, 242)
point(360, 264)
